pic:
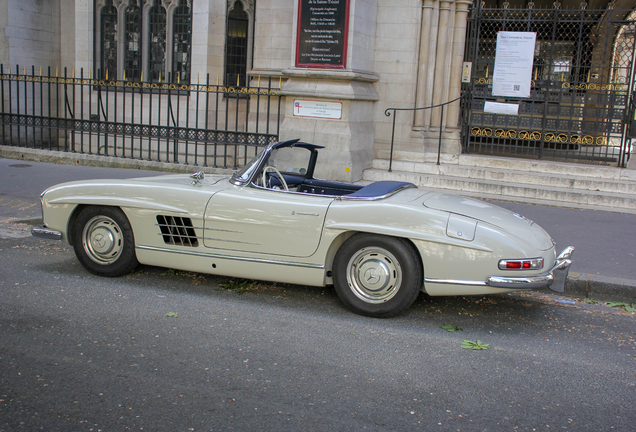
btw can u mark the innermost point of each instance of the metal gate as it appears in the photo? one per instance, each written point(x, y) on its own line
point(582, 82)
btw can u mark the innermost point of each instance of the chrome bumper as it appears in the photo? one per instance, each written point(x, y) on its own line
point(553, 279)
point(42, 231)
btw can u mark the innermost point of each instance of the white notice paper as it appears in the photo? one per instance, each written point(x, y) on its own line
point(501, 108)
point(318, 109)
point(513, 64)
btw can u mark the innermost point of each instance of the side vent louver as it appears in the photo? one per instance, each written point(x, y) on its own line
point(177, 231)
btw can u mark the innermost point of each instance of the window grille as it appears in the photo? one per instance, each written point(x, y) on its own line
point(176, 230)
point(236, 46)
point(148, 48)
point(182, 36)
point(157, 42)
point(109, 40)
point(132, 48)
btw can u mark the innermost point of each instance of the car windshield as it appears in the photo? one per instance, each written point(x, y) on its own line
point(290, 160)
point(243, 175)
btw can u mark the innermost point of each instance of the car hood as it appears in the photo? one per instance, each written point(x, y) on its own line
point(181, 179)
point(511, 222)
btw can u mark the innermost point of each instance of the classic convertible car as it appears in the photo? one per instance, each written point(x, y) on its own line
point(379, 245)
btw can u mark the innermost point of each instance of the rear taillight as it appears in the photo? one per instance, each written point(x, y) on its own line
point(521, 264)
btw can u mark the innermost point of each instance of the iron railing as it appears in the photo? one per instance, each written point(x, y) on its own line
point(441, 129)
point(199, 124)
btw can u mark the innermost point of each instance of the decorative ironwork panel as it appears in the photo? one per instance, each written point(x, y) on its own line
point(582, 79)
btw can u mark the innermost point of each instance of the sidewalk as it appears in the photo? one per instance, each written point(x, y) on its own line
point(604, 263)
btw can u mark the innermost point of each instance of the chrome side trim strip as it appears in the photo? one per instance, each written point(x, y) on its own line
point(455, 282)
point(522, 283)
point(208, 238)
point(41, 231)
point(231, 257)
point(230, 241)
point(221, 230)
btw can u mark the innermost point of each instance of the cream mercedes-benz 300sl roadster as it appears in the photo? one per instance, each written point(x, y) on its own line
point(379, 245)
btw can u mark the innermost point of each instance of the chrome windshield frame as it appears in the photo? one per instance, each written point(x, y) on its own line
point(249, 171)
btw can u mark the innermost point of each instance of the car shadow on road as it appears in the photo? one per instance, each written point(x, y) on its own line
point(487, 311)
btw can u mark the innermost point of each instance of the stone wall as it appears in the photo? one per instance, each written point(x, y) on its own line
point(31, 33)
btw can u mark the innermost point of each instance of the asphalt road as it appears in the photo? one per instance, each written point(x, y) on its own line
point(83, 353)
point(22, 182)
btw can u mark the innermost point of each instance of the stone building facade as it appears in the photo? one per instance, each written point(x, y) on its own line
point(398, 54)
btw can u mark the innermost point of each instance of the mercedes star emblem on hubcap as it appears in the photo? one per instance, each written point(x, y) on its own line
point(372, 276)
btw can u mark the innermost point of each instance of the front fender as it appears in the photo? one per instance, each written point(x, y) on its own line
point(140, 201)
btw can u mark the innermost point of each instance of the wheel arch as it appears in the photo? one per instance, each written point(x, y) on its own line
point(339, 240)
point(70, 229)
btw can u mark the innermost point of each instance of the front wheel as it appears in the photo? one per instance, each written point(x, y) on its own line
point(377, 276)
point(103, 241)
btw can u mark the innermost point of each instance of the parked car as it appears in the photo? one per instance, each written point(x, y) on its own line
point(379, 244)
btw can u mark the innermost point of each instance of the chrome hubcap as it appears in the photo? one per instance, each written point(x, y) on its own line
point(374, 275)
point(102, 240)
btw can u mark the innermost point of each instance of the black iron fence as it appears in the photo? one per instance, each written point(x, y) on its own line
point(199, 124)
point(582, 82)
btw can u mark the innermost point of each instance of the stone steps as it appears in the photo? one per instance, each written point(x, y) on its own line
point(550, 183)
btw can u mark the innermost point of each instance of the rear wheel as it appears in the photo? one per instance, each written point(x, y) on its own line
point(103, 241)
point(376, 275)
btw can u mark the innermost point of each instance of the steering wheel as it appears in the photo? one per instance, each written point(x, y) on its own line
point(282, 179)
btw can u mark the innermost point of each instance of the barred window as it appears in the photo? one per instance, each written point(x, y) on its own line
point(132, 48)
point(236, 50)
point(182, 31)
point(109, 39)
point(238, 42)
point(157, 42)
point(143, 40)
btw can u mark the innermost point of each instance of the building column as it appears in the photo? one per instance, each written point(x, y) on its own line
point(459, 45)
point(348, 133)
point(145, 28)
point(440, 89)
point(426, 69)
point(441, 54)
point(349, 136)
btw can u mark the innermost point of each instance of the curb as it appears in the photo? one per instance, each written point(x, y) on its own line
point(102, 161)
point(601, 288)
